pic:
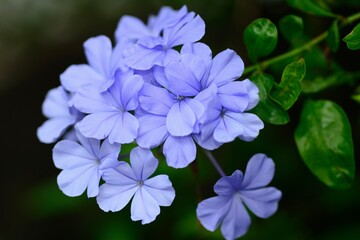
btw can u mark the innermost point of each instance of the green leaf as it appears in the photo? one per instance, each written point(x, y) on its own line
point(260, 38)
point(266, 109)
point(291, 26)
point(287, 92)
point(333, 37)
point(323, 138)
point(353, 38)
point(309, 6)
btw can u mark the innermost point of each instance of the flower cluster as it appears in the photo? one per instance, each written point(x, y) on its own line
point(142, 90)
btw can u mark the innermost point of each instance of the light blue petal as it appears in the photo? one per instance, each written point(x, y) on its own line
point(130, 88)
point(250, 123)
point(200, 49)
point(98, 52)
point(259, 172)
point(144, 207)
point(131, 27)
point(160, 188)
point(237, 220)
point(142, 58)
point(212, 211)
point(125, 129)
point(262, 202)
point(56, 103)
point(115, 197)
point(227, 129)
point(179, 151)
point(152, 131)
point(156, 100)
point(253, 93)
point(123, 175)
point(226, 67)
point(51, 130)
point(181, 119)
point(188, 30)
point(228, 185)
point(99, 125)
point(77, 76)
point(234, 96)
point(73, 182)
point(143, 163)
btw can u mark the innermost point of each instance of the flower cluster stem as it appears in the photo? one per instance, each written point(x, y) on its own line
point(214, 162)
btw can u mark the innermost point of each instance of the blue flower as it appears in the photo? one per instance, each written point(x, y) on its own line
point(227, 209)
point(153, 44)
point(61, 116)
point(108, 111)
point(103, 63)
point(125, 182)
point(82, 164)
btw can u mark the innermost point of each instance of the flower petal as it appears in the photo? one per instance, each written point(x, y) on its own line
point(56, 103)
point(115, 197)
point(253, 93)
point(144, 207)
point(142, 58)
point(51, 130)
point(130, 86)
point(98, 52)
point(143, 163)
point(131, 27)
point(156, 100)
point(228, 185)
point(98, 125)
point(181, 119)
point(160, 188)
point(226, 67)
point(259, 172)
point(77, 76)
point(262, 202)
point(152, 131)
point(179, 151)
point(199, 49)
point(125, 128)
point(188, 30)
point(227, 129)
point(123, 175)
point(212, 211)
point(234, 96)
point(237, 220)
point(250, 123)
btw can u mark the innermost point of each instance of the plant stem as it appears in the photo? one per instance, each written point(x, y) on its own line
point(296, 51)
point(214, 162)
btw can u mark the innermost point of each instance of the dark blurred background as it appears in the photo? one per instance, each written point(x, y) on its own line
point(40, 39)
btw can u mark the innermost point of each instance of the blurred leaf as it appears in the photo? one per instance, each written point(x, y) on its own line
point(309, 6)
point(287, 92)
point(323, 138)
point(48, 200)
point(333, 37)
point(320, 83)
point(260, 38)
point(291, 26)
point(356, 96)
point(266, 109)
point(353, 38)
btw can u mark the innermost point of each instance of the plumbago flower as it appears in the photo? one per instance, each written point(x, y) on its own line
point(236, 190)
point(143, 91)
point(125, 181)
point(82, 164)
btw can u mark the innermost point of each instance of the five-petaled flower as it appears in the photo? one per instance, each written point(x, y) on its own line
point(236, 190)
point(125, 182)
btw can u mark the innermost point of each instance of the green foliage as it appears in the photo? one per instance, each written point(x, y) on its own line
point(260, 38)
point(291, 27)
point(324, 141)
point(309, 6)
point(287, 92)
point(353, 38)
point(268, 110)
point(333, 37)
